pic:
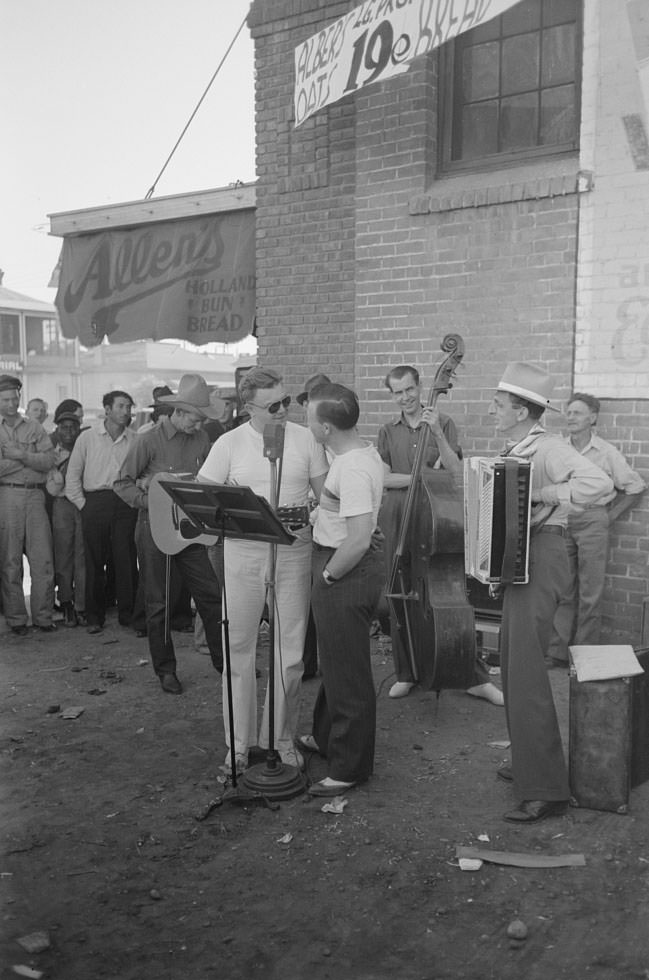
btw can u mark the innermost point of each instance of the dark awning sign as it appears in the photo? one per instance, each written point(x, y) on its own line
point(190, 279)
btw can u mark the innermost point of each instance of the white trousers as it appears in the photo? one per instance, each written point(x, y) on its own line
point(247, 565)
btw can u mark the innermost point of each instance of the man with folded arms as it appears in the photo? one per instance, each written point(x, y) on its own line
point(26, 455)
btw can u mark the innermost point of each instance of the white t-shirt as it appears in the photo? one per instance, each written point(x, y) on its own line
point(237, 457)
point(354, 486)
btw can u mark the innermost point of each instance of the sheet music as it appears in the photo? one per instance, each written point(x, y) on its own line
point(603, 662)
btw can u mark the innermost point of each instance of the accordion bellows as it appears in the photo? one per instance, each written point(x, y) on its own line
point(497, 505)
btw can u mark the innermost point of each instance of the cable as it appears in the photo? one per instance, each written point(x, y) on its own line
point(200, 102)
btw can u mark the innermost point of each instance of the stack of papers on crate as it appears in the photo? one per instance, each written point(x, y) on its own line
point(603, 662)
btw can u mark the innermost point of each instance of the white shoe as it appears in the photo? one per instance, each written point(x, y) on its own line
point(401, 689)
point(489, 692)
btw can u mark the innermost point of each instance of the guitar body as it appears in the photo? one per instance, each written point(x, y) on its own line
point(171, 528)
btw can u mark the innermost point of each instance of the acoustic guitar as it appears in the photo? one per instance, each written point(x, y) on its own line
point(172, 530)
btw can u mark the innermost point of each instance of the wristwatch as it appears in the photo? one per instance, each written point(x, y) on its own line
point(328, 577)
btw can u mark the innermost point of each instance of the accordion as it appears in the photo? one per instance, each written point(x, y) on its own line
point(497, 505)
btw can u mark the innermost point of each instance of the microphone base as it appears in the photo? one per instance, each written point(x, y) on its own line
point(277, 781)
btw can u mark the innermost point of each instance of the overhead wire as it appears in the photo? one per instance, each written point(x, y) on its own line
point(151, 189)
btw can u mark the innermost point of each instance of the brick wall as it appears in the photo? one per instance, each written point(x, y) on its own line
point(366, 259)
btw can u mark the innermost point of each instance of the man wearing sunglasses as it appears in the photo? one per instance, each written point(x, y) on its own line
point(238, 458)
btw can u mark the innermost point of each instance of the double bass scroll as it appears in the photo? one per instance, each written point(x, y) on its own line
point(426, 590)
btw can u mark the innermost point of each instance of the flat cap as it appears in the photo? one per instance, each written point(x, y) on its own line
point(8, 382)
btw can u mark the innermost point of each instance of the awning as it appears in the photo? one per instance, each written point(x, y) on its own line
point(147, 278)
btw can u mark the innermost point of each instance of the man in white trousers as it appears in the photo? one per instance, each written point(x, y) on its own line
point(238, 458)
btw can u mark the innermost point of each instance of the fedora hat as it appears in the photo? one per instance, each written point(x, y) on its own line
point(193, 395)
point(529, 382)
point(310, 384)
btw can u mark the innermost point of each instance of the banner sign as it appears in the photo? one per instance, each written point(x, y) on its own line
point(192, 279)
point(377, 40)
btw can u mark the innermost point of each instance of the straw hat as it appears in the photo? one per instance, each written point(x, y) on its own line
point(529, 382)
point(193, 395)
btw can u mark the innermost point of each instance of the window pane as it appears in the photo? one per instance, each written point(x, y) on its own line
point(479, 130)
point(523, 17)
point(558, 55)
point(9, 334)
point(518, 122)
point(480, 72)
point(520, 64)
point(559, 12)
point(34, 334)
point(558, 117)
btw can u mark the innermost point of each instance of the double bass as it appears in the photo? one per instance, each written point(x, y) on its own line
point(426, 591)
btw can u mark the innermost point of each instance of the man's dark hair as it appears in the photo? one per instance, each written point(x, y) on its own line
point(533, 410)
point(110, 396)
point(589, 400)
point(399, 372)
point(335, 404)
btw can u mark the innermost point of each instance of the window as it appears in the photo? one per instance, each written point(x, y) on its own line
point(510, 88)
point(43, 336)
point(9, 334)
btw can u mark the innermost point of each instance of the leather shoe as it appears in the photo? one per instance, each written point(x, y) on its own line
point(505, 773)
point(531, 810)
point(140, 634)
point(329, 787)
point(50, 628)
point(170, 684)
point(20, 630)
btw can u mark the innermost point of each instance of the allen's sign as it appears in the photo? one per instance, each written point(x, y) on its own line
point(191, 279)
point(377, 40)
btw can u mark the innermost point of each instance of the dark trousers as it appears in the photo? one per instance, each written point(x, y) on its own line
point(538, 762)
point(192, 568)
point(109, 529)
point(344, 716)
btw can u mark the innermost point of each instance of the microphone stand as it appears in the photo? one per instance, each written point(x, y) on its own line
point(275, 779)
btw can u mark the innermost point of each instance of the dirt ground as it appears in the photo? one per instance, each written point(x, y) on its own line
point(104, 853)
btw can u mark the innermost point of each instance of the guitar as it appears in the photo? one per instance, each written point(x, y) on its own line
point(173, 531)
point(171, 528)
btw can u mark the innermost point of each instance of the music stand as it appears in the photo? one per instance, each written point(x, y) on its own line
point(237, 512)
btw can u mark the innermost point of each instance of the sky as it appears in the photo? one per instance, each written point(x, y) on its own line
point(95, 95)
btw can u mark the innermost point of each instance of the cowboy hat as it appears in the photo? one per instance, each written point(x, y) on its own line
point(193, 395)
point(310, 384)
point(529, 382)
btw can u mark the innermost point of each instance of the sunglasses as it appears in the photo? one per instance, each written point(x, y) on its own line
point(274, 407)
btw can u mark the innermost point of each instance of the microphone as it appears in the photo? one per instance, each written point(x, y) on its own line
point(274, 440)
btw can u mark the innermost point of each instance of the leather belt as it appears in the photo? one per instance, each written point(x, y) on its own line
point(551, 529)
point(323, 547)
point(23, 486)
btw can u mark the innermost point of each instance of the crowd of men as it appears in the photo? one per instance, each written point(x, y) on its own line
point(79, 503)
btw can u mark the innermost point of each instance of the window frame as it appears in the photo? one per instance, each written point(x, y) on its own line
point(495, 161)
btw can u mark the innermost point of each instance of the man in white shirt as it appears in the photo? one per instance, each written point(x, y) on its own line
point(578, 619)
point(348, 576)
point(237, 457)
point(108, 522)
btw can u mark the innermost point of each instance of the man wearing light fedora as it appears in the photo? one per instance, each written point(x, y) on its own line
point(177, 444)
point(563, 482)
